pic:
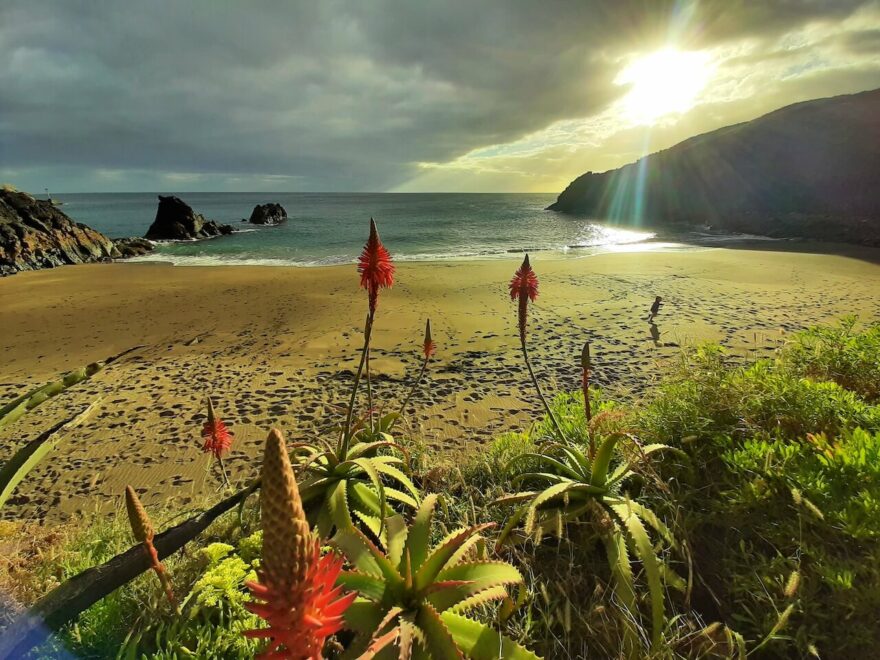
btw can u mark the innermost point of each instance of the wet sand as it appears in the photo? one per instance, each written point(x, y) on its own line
point(278, 346)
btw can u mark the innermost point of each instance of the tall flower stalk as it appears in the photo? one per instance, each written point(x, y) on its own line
point(429, 347)
point(377, 272)
point(585, 386)
point(524, 288)
point(216, 438)
point(296, 588)
point(142, 530)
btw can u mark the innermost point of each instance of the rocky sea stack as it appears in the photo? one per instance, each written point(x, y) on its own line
point(35, 234)
point(268, 214)
point(176, 221)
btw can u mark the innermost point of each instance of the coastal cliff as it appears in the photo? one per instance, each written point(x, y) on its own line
point(35, 234)
point(807, 170)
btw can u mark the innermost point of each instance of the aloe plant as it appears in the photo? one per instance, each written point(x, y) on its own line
point(350, 483)
point(413, 597)
point(29, 456)
point(576, 488)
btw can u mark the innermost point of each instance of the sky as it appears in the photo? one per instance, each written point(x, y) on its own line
point(397, 95)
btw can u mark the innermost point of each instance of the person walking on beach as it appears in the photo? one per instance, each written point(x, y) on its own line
point(655, 308)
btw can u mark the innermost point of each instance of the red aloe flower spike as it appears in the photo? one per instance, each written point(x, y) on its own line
point(429, 347)
point(296, 584)
point(586, 367)
point(524, 287)
point(428, 350)
point(377, 271)
point(217, 439)
point(375, 267)
point(216, 436)
point(142, 530)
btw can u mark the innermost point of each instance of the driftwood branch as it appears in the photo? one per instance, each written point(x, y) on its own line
point(80, 592)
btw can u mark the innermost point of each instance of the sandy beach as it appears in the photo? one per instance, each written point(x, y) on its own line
point(277, 346)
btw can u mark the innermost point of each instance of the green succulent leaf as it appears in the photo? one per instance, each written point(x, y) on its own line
point(483, 597)
point(480, 642)
point(603, 460)
point(473, 579)
point(369, 586)
point(428, 571)
point(645, 552)
point(438, 639)
point(372, 523)
point(400, 496)
point(337, 505)
point(371, 471)
point(365, 556)
point(399, 477)
point(363, 616)
point(418, 539)
point(365, 496)
point(396, 538)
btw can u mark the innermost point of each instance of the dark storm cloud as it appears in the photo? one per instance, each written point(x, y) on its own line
point(334, 95)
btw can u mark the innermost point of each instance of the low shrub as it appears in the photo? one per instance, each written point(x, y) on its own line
point(706, 396)
point(841, 353)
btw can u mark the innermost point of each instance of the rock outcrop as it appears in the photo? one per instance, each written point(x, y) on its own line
point(176, 221)
point(123, 248)
point(808, 170)
point(268, 214)
point(35, 234)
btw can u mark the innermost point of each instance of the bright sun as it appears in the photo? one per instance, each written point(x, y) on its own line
point(663, 83)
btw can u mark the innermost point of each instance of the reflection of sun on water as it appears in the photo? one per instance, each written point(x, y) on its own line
point(663, 83)
point(595, 235)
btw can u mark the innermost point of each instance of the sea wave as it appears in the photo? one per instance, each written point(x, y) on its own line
point(559, 251)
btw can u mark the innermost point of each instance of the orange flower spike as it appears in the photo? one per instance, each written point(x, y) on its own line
point(142, 530)
point(524, 287)
point(215, 435)
point(429, 347)
point(375, 267)
point(296, 587)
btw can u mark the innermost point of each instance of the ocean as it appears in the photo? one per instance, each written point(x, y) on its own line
point(330, 228)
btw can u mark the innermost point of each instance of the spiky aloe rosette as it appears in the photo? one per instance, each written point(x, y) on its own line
point(142, 530)
point(296, 584)
point(569, 486)
point(414, 596)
